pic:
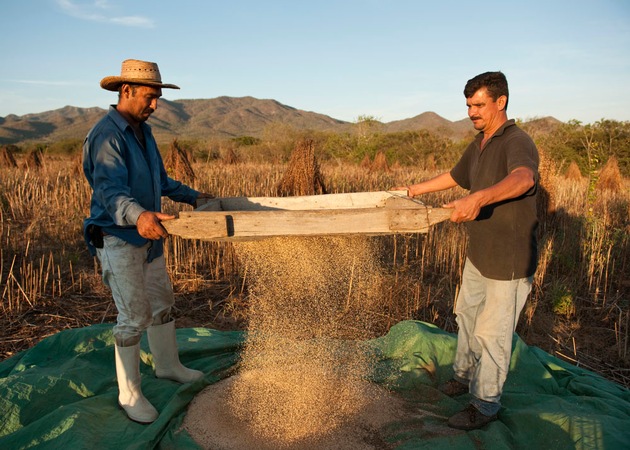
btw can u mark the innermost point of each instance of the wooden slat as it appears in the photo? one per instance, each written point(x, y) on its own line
point(416, 220)
point(248, 218)
point(198, 225)
point(352, 200)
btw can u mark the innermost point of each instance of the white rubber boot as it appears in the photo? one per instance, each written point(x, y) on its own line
point(130, 396)
point(163, 345)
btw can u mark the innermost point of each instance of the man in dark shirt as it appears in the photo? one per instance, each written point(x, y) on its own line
point(500, 169)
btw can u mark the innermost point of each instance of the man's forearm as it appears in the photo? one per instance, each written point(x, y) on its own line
point(439, 183)
point(517, 183)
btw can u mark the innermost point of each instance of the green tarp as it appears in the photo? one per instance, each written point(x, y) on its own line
point(62, 394)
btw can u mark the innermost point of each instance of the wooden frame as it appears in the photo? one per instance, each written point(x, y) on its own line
point(248, 218)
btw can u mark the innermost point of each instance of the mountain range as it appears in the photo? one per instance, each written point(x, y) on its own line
point(225, 117)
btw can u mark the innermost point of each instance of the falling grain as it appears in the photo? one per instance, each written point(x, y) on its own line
point(305, 365)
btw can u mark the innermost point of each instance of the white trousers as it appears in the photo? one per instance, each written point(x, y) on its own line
point(142, 291)
point(487, 314)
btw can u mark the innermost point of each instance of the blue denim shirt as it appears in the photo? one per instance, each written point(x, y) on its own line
point(126, 180)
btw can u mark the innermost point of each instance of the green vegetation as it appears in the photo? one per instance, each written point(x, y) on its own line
point(562, 300)
point(246, 140)
point(589, 146)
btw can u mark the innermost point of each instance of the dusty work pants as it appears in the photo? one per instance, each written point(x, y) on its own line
point(141, 290)
point(487, 314)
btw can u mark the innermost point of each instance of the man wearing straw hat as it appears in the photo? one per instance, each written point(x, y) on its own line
point(122, 163)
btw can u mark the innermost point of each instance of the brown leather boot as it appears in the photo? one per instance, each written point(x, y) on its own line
point(470, 419)
point(453, 388)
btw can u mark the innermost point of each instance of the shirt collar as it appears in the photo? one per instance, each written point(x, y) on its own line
point(506, 124)
point(119, 120)
point(500, 131)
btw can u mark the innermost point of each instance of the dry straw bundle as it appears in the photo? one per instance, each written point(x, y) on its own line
point(380, 163)
point(573, 172)
point(610, 177)
point(77, 164)
point(230, 157)
point(34, 160)
point(177, 163)
point(302, 176)
point(6, 158)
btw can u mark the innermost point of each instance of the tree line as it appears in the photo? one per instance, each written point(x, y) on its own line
point(589, 146)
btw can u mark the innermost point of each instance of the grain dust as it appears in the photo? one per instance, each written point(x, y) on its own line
point(304, 369)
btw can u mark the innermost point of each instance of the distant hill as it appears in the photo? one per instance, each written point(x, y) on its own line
point(195, 119)
point(65, 123)
point(435, 123)
point(233, 117)
point(206, 118)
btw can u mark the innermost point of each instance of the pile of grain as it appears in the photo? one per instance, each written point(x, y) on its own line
point(303, 377)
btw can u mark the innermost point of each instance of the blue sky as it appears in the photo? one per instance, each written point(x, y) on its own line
point(389, 59)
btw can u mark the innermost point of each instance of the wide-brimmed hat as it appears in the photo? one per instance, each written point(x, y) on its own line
point(136, 72)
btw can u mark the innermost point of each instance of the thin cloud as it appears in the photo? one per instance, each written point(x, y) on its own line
point(97, 11)
point(43, 82)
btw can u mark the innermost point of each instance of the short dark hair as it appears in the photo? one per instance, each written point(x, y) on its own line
point(494, 82)
point(133, 86)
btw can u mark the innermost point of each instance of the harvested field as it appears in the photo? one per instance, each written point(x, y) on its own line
point(48, 282)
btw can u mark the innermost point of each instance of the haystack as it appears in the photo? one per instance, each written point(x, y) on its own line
point(34, 160)
point(302, 176)
point(177, 164)
point(380, 163)
point(77, 164)
point(573, 172)
point(6, 158)
point(429, 162)
point(610, 177)
point(230, 157)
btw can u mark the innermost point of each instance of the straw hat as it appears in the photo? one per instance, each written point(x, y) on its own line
point(136, 72)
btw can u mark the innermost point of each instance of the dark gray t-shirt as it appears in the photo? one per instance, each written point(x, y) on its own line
point(502, 239)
